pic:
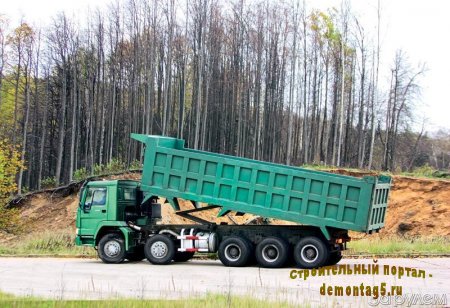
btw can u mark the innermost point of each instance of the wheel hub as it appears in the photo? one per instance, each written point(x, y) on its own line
point(159, 249)
point(309, 253)
point(232, 252)
point(112, 248)
point(270, 253)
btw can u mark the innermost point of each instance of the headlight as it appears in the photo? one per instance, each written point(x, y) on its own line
point(77, 230)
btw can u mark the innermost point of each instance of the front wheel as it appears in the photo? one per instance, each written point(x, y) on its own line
point(311, 252)
point(159, 249)
point(111, 248)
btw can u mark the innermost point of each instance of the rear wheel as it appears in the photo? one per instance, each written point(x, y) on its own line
point(235, 251)
point(183, 256)
point(334, 258)
point(111, 248)
point(272, 252)
point(159, 249)
point(310, 252)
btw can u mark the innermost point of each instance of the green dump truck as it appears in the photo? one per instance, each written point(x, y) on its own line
point(122, 218)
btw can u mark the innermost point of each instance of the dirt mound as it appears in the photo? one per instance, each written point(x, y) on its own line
point(417, 207)
point(355, 173)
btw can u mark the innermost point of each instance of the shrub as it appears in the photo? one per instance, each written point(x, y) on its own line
point(135, 164)
point(10, 164)
point(48, 182)
point(98, 169)
point(425, 170)
point(80, 174)
point(115, 165)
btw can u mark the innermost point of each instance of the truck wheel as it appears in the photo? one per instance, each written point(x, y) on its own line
point(234, 251)
point(334, 258)
point(310, 252)
point(159, 249)
point(136, 255)
point(183, 256)
point(272, 252)
point(111, 248)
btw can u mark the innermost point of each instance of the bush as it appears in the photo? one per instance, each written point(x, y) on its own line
point(48, 182)
point(10, 164)
point(442, 174)
point(135, 164)
point(425, 170)
point(80, 174)
point(98, 169)
point(114, 166)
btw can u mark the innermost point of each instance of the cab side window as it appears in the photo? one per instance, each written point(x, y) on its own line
point(95, 196)
point(126, 194)
point(129, 194)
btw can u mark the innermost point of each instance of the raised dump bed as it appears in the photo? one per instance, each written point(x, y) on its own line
point(270, 190)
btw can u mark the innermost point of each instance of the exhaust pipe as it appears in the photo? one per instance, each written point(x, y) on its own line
point(133, 226)
point(169, 232)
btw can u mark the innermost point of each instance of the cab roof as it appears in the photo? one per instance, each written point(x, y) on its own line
point(113, 183)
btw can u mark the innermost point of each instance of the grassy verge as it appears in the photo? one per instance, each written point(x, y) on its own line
point(63, 244)
point(211, 300)
point(400, 246)
point(47, 243)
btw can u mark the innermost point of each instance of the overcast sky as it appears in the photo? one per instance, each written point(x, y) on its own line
point(418, 27)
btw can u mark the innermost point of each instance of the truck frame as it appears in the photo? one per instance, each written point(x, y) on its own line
point(122, 218)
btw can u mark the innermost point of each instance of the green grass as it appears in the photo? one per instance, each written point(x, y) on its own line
point(427, 171)
point(401, 246)
point(322, 167)
point(6, 296)
point(63, 244)
point(47, 243)
point(210, 300)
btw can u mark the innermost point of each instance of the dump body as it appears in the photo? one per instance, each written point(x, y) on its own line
point(270, 190)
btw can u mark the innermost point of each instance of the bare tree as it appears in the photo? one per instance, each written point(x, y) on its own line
point(374, 98)
point(3, 36)
point(344, 29)
point(59, 40)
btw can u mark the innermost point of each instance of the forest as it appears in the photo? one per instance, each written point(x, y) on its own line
point(268, 80)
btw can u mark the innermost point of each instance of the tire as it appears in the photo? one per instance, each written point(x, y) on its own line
point(334, 258)
point(235, 251)
point(136, 255)
point(311, 252)
point(159, 249)
point(272, 252)
point(183, 256)
point(111, 248)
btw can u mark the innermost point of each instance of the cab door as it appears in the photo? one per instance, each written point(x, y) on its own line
point(93, 209)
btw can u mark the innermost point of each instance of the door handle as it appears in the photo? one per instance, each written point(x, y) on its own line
point(103, 211)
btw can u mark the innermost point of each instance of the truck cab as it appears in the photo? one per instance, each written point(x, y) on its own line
point(104, 204)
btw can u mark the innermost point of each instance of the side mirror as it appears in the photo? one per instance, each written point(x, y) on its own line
point(87, 207)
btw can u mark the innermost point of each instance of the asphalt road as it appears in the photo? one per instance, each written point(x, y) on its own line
point(91, 279)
